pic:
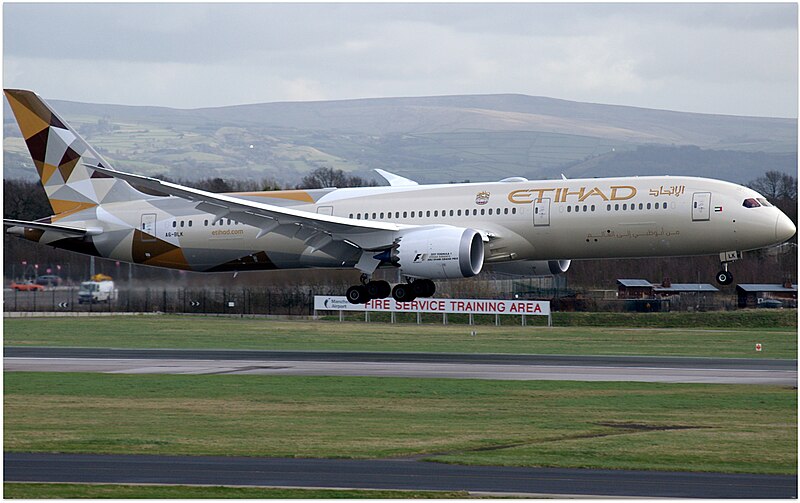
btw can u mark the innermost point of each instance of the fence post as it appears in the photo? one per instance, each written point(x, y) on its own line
point(471, 319)
point(164, 303)
point(419, 318)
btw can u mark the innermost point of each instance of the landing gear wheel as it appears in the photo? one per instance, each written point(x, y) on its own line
point(403, 292)
point(424, 288)
point(378, 289)
point(357, 295)
point(724, 278)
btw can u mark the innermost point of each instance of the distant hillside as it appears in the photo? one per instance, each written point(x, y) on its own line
point(431, 139)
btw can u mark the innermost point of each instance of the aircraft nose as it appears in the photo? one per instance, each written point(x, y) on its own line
point(784, 228)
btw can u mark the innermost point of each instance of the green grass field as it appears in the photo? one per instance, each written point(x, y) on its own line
point(21, 490)
point(236, 333)
point(725, 428)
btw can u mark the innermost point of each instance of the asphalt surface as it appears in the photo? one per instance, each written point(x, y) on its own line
point(463, 366)
point(387, 474)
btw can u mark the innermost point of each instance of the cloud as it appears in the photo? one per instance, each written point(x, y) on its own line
point(721, 58)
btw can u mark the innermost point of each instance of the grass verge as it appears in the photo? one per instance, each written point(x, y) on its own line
point(235, 333)
point(24, 490)
point(720, 428)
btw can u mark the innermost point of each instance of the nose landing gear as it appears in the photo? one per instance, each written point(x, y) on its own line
point(725, 277)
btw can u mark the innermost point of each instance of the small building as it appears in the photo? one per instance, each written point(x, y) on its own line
point(766, 295)
point(634, 289)
point(684, 288)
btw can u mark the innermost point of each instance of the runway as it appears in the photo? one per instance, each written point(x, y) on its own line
point(424, 365)
point(388, 474)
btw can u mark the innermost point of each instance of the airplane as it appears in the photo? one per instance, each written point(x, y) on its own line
point(426, 232)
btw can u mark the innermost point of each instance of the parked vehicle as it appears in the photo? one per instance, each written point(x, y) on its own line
point(770, 303)
point(26, 286)
point(48, 280)
point(97, 290)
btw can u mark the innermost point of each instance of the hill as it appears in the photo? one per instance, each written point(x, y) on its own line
point(431, 139)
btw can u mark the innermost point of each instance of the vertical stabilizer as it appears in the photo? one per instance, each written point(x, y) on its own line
point(61, 157)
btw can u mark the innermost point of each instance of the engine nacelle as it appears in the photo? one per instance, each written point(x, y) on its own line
point(532, 268)
point(440, 252)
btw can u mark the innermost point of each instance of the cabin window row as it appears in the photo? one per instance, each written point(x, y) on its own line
point(435, 213)
point(206, 223)
point(633, 206)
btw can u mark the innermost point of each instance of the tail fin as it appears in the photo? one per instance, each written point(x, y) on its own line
point(64, 159)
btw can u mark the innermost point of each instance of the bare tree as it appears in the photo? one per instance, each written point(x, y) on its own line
point(328, 177)
point(775, 186)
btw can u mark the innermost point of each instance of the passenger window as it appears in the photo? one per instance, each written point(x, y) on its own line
point(174, 224)
point(569, 209)
point(641, 206)
point(514, 211)
point(381, 215)
point(474, 212)
point(592, 207)
point(616, 207)
point(182, 222)
point(405, 214)
point(608, 207)
point(657, 205)
point(436, 213)
point(190, 223)
point(625, 206)
point(490, 211)
point(483, 211)
point(584, 208)
point(648, 206)
point(505, 211)
point(205, 222)
point(459, 212)
point(428, 213)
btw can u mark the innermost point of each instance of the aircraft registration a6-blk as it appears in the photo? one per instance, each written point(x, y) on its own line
point(428, 232)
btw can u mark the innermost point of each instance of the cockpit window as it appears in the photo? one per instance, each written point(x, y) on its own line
point(764, 202)
point(750, 203)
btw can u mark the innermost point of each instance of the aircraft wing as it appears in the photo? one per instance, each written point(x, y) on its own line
point(317, 230)
point(395, 180)
point(64, 229)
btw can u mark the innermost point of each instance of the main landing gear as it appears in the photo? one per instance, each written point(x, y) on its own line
point(402, 292)
point(725, 277)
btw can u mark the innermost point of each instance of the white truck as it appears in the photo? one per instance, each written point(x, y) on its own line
point(99, 289)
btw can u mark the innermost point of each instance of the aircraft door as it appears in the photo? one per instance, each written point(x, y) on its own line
point(325, 210)
point(541, 212)
point(148, 227)
point(701, 206)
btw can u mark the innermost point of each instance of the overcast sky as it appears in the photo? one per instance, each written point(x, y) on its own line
point(717, 58)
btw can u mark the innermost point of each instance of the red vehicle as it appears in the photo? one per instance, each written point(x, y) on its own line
point(28, 286)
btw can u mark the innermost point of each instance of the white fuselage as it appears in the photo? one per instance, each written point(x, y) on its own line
point(520, 220)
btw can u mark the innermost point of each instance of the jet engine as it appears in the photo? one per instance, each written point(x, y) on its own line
point(440, 252)
point(531, 268)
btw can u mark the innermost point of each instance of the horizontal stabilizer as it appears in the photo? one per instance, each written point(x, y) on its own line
point(64, 229)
